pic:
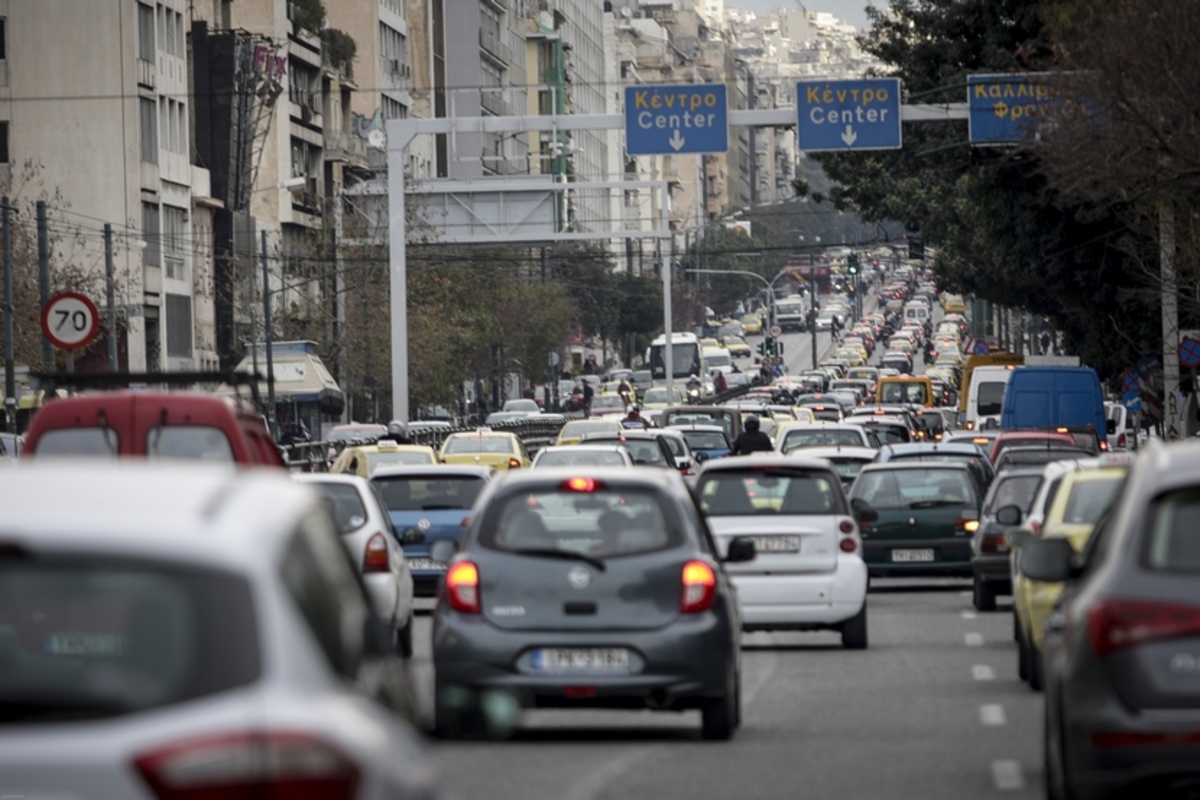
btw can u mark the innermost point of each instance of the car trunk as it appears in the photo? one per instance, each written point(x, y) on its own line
point(634, 592)
point(784, 544)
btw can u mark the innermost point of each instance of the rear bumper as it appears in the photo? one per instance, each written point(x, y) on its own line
point(802, 601)
point(427, 583)
point(950, 556)
point(994, 571)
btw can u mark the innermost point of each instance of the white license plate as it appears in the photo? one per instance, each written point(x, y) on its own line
point(912, 555)
point(581, 660)
point(86, 644)
point(776, 544)
point(426, 564)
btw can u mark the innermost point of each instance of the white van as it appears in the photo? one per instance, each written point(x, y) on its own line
point(985, 395)
point(718, 359)
point(917, 310)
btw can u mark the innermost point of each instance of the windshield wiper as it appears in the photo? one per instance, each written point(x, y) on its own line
point(436, 507)
point(547, 552)
point(936, 503)
point(14, 709)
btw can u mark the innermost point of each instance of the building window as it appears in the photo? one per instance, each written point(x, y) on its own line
point(174, 240)
point(149, 130)
point(145, 29)
point(393, 109)
point(3, 39)
point(4, 143)
point(179, 325)
point(152, 255)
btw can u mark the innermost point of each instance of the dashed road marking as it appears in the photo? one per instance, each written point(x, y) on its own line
point(969, 615)
point(966, 594)
point(1007, 775)
point(982, 672)
point(992, 714)
point(974, 639)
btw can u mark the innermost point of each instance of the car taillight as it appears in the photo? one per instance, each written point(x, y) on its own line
point(1116, 624)
point(993, 543)
point(462, 587)
point(514, 463)
point(375, 557)
point(242, 766)
point(699, 587)
point(1103, 445)
point(848, 545)
point(1121, 441)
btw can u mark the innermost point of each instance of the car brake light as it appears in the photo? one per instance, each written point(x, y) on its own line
point(848, 545)
point(699, 587)
point(1121, 441)
point(462, 587)
point(375, 558)
point(581, 485)
point(275, 764)
point(1103, 445)
point(1116, 624)
point(846, 526)
point(514, 463)
point(993, 543)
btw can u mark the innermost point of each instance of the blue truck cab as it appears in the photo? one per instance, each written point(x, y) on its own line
point(1053, 397)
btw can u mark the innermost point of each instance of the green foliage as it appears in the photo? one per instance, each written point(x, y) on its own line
point(341, 49)
point(309, 15)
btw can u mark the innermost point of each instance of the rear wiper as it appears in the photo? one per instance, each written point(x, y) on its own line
point(14, 709)
point(547, 552)
point(435, 507)
point(935, 503)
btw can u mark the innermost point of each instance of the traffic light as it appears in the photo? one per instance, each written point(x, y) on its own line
point(769, 346)
point(916, 248)
point(852, 263)
point(762, 348)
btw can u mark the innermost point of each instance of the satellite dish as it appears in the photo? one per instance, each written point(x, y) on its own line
point(377, 139)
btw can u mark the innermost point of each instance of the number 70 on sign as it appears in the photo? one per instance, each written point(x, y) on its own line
point(70, 321)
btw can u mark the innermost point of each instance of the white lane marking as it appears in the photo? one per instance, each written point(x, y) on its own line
point(763, 678)
point(982, 672)
point(600, 780)
point(969, 615)
point(966, 594)
point(973, 639)
point(1007, 775)
point(992, 714)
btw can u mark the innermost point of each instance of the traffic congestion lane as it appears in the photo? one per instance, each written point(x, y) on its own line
point(933, 709)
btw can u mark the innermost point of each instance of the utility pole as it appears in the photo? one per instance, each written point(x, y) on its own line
point(266, 275)
point(10, 378)
point(112, 305)
point(1172, 411)
point(43, 235)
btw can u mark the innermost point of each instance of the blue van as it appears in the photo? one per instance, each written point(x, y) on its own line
point(1054, 397)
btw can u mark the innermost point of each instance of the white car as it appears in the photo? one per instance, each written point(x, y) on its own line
point(847, 461)
point(808, 572)
point(576, 455)
point(823, 434)
point(374, 549)
point(190, 631)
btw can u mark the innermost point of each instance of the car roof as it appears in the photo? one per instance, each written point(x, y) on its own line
point(587, 448)
point(909, 465)
point(854, 451)
point(434, 469)
point(181, 512)
point(623, 476)
point(908, 448)
point(701, 428)
point(626, 433)
point(760, 460)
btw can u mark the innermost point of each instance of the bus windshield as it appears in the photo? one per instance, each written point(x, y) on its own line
point(685, 360)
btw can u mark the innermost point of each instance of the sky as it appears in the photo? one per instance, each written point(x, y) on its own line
point(849, 10)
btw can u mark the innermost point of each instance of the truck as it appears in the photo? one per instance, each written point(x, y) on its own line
point(1055, 397)
point(985, 395)
point(791, 313)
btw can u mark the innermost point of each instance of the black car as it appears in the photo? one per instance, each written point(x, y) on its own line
point(1012, 491)
point(601, 589)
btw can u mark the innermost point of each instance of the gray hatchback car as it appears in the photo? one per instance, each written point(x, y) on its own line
point(1122, 649)
point(598, 588)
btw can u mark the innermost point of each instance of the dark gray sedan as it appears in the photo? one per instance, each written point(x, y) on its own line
point(587, 589)
point(1122, 649)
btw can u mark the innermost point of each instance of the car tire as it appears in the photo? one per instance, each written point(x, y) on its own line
point(854, 630)
point(404, 638)
point(456, 713)
point(985, 595)
point(1036, 673)
point(718, 715)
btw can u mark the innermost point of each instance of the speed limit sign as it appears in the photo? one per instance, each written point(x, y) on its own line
point(70, 321)
point(775, 331)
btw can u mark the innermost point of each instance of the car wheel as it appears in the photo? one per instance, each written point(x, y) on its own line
point(456, 713)
point(1036, 675)
point(985, 595)
point(1051, 763)
point(854, 630)
point(1022, 653)
point(718, 715)
point(404, 638)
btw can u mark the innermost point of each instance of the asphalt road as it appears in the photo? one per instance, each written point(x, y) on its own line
point(933, 709)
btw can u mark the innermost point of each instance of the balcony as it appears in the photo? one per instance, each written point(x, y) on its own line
point(492, 43)
point(492, 102)
point(340, 146)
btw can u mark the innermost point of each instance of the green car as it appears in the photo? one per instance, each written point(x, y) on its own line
point(927, 514)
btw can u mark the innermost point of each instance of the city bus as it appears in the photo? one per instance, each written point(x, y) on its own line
point(687, 358)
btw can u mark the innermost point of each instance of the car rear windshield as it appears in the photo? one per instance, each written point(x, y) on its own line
point(581, 427)
point(731, 493)
point(479, 444)
point(189, 442)
point(428, 492)
point(396, 458)
point(990, 399)
point(724, 419)
point(104, 442)
point(344, 504)
point(644, 452)
point(86, 638)
point(1018, 491)
point(706, 440)
point(892, 392)
point(846, 468)
point(582, 458)
point(795, 440)
point(1174, 541)
point(600, 523)
point(915, 488)
point(1088, 499)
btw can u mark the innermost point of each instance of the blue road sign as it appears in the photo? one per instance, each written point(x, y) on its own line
point(1130, 380)
point(1006, 109)
point(849, 115)
point(676, 118)
point(982, 349)
point(1132, 402)
point(1189, 352)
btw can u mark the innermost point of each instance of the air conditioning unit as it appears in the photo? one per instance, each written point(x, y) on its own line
point(394, 65)
point(406, 71)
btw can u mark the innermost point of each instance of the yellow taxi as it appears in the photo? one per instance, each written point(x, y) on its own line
point(782, 426)
point(365, 459)
point(953, 304)
point(709, 342)
point(576, 429)
point(737, 346)
point(1081, 498)
point(484, 447)
point(752, 324)
point(853, 356)
point(859, 345)
point(655, 399)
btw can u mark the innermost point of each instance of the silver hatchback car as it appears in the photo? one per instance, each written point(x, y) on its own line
point(598, 588)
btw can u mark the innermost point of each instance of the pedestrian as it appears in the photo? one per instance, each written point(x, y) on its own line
point(588, 392)
point(528, 393)
point(752, 440)
point(720, 383)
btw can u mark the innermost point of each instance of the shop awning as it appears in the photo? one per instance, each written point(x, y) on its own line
point(300, 375)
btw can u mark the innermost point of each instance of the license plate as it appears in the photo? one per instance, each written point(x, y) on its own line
point(86, 644)
point(581, 660)
point(912, 555)
point(426, 564)
point(776, 544)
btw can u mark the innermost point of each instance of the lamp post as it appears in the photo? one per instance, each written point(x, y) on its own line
point(769, 284)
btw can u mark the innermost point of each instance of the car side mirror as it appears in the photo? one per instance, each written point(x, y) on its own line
point(1048, 560)
point(412, 536)
point(862, 510)
point(701, 457)
point(740, 549)
point(1017, 538)
point(1009, 515)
